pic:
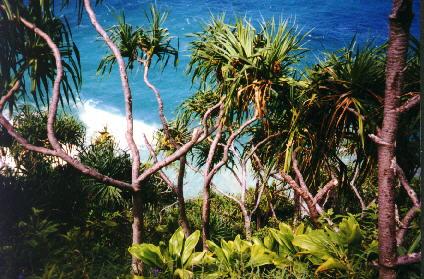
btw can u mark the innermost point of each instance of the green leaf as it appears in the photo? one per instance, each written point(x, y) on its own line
point(314, 243)
point(176, 243)
point(183, 273)
point(349, 228)
point(284, 228)
point(148, 254)
point(218, 252)
point(196, 258)
point(269, 242)
point(260, 256)
point(330, 263)
point(189, 246)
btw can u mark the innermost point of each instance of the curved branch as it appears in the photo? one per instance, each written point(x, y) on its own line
point(155, 159)
point(411, 193)
point(196, 137)
point(129, 135)
point(162, 117)
point(57, 149)
point(404, 226)
point(409, 259)
point(9, 94)
point(253, 150)
point(227, 147)
point(410, 103)
point(326, 189)
point(355, 190)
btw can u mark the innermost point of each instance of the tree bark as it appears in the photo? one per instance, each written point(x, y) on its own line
point(180, 195)
point(399, 20)
point(247, 223)
point(137, 229)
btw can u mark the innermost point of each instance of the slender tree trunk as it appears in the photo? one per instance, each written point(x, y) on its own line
point(180, 195)
point(247, 223)
point(258, 211)
point(297, 205)
point(137, 229)
point(400, 20)
point(206, 208)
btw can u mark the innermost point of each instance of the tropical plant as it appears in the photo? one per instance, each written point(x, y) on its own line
point(26, 58)
point(246, 66)
point(338, 249)
point(234, 259)
point(177, 259)
point(141, 44)
point(105, 155)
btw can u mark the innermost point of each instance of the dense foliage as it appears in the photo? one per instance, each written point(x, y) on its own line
point(301, 143)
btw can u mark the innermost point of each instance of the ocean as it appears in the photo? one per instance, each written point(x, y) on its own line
point(331, 25)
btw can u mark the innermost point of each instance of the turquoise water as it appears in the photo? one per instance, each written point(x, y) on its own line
point(332, 24)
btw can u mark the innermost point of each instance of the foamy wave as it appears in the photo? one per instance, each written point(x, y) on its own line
point(96, 118)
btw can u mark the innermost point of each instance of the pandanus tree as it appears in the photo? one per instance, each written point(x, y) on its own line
point(245, 68)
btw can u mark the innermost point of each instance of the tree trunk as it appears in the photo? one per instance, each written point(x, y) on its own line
point(180, 195)
point(137, 229)
point(206, 208)
point(258, 211)
point(247, 223)
point(297, 206)
point(400, 20)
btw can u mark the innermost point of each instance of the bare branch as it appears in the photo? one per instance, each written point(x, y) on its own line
point(9, 94)
point(258, 200)
point(408, 259)
point(196, 137)
point(253, 150)
point(227, 195)
point(155, 159)
point(326, 189)
point(410, 103)
point(129, 135)
point(236, 177)
point(207, 115)
point(229, 142)
point(58, 151)
point(160, 103)
point(404, 226)
point(411, 193)
point(299, 174)
point(355, 190)
point(378, 140)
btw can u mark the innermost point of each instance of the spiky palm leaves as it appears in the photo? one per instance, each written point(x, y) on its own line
point(141, 44)
point(245, 65)
point(347, 88)
point(26, 57)
point(105, 155)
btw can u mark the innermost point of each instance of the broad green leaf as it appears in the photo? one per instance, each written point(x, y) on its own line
point(284, 240)
point(269, 242)
point(215, 275)
point(300, 229)
point(313, 243)
point(176, 243)
point(218, 252)
point(183, 273)
point(241, 245)
point(260, 256)
point(284, 228)
point(189, 246)
point(330, 263)
point(148, 254)
point(349, 228)
point(196, 258)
